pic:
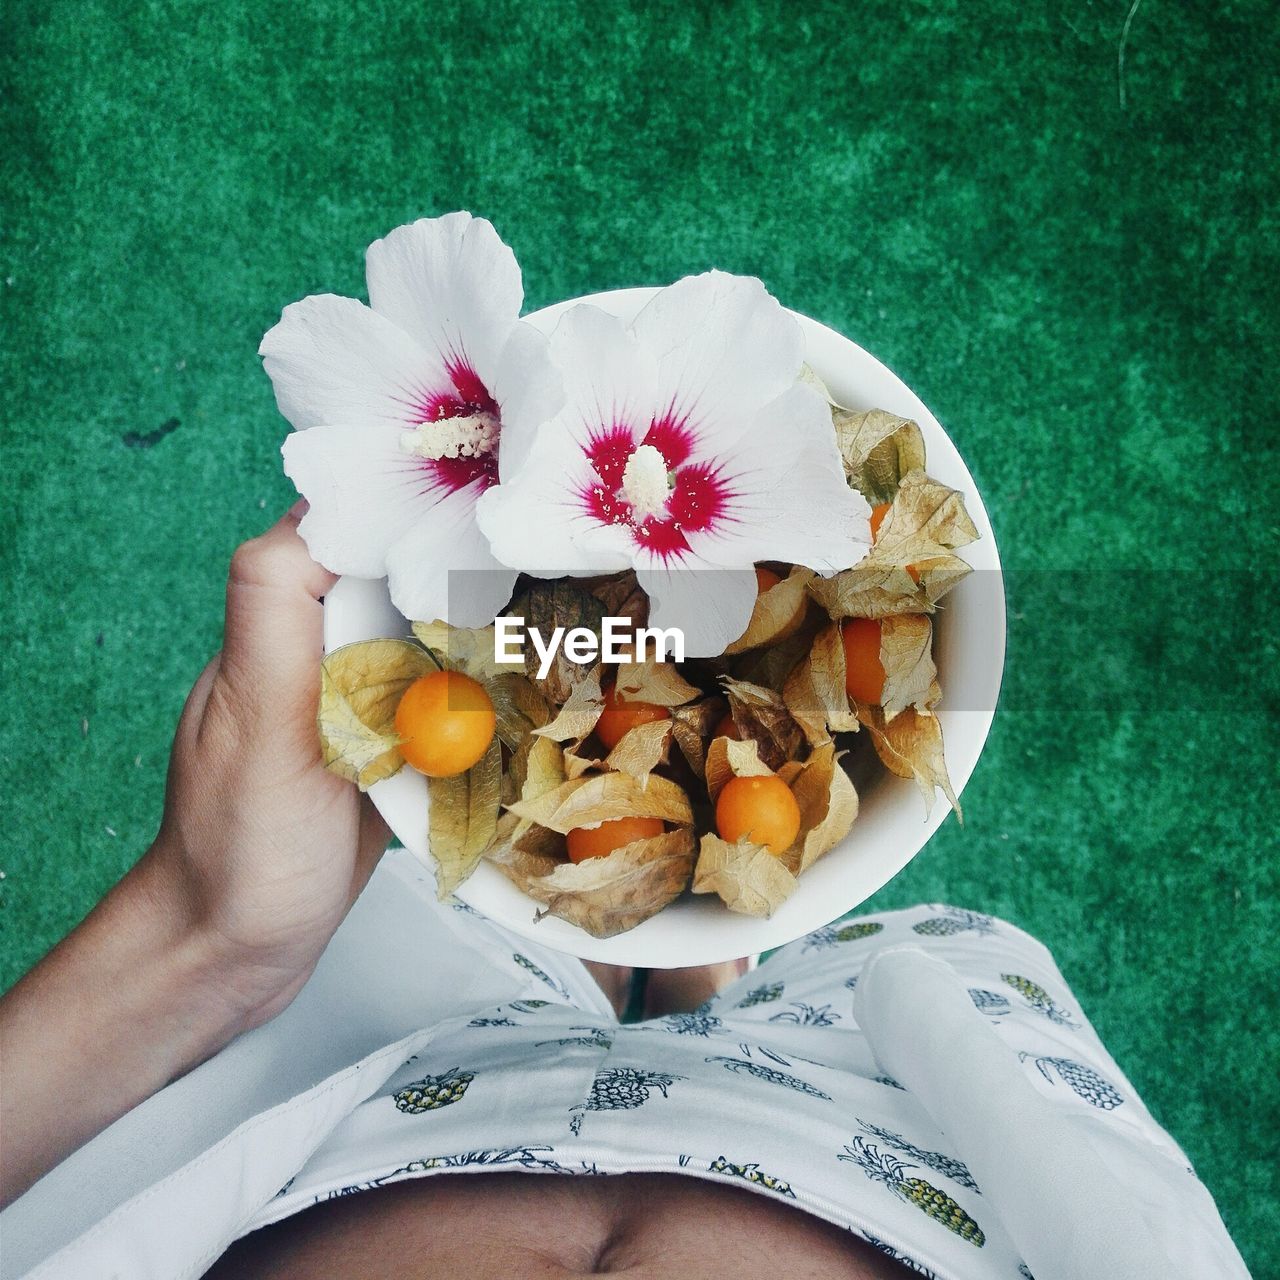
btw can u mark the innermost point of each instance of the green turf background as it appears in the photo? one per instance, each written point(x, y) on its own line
point(1075, 271)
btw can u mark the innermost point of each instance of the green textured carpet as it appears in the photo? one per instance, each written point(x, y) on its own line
point(1072, 268)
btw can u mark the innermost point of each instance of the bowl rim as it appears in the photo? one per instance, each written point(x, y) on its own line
point(718, 934)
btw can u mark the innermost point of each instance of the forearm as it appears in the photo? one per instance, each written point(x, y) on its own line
point(133, 998)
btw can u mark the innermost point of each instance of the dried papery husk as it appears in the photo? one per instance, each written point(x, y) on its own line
point(641, 750)
point(546, 606)
point(579, 760)
point(815, 691)
point(361, 686)
point(729, 758)
point(543, 770)
point(747, 877)
point(905, 654)
point(761, 715)
point(577, 718)
point(609, 895)
point(463, 820)
point(828, 806)
point(878, 448)
point(638, 752)
point(691, 727)
point(520, 863)
point(515, 764)
point(602, 797)
point(910, 746)
point(877, 590)
point(925, 519)
point(518, 707)
point(772, 665)
point(621, 596)
point(658, 683)
point(466, 649)
point(778, 612)
point(925, 523)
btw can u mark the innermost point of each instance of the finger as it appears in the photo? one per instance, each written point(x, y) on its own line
point(193, 708)
point(273, 635)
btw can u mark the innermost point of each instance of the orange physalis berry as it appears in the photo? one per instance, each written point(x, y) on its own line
point(761, 810)
point(600, 841)
point(618, 717)
point(446, 723)
point(863, 672)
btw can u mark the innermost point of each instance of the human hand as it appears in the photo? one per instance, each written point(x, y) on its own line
point(262, 850)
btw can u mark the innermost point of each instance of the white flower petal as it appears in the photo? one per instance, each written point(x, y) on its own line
point(442, 567)
point(452, 284)
point(711, 606)
point(364, 492)
point(791, 499)
point(609, 380)
point(332, 360)
point(529, 391)
point(723, 347)
point(537, 522)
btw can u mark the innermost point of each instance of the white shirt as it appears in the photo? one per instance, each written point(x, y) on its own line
point(924, 1078)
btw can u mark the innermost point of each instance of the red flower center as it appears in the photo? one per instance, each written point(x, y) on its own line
point(699, 495)
point(468, 397)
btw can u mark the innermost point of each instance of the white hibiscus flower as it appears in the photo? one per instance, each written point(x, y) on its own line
point(408, 409)
point(687, 449)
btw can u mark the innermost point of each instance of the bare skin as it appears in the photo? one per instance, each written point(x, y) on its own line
point(499, 1226)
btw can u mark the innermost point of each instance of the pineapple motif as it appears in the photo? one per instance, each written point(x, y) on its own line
point(830, 935)
point(622, 1089)
point(751, 1173)
point(992, 1003)
point(524, 1157)
point(525, 963)
point(890, 1172)
point(863, 929)
point(692, 1024)
point(1096, 1090)
point(528, 1006)
point(433, 1092)
point(807, 1015)
point(946, 1165)
point(493, 1022)
point(1039, 999)
point(761, 995)
point(909, 1263)
point(762, 1072)
point(953, 921)
point(593, 1037)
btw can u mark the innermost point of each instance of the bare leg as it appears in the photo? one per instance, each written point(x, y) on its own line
point(614, 980)
point(683, 990)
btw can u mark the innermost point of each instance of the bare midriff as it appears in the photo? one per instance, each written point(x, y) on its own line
point(504, 1226)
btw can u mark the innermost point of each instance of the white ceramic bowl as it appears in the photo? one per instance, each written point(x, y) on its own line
point(891, 827)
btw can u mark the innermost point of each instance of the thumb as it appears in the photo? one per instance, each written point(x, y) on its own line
point(273, 638)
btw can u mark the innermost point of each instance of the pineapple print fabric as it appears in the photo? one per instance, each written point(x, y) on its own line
point(770, 1087)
